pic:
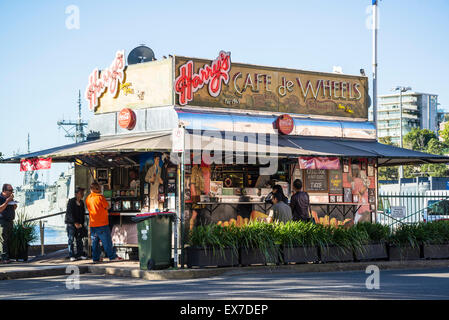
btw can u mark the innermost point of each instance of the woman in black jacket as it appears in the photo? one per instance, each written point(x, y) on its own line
point(278, 189)
point(74, 219)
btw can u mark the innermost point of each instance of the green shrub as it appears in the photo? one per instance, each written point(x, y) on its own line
point(299, 233)
point(436, 232)
point(407, 235)
point(376, 231)
point(214, 236)
point(22, 234)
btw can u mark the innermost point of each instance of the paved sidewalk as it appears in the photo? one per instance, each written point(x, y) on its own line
point(58, 266)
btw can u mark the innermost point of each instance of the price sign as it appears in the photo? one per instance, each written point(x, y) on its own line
point(316, 180)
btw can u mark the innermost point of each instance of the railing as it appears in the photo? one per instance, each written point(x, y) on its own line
point(417, 208)
point(42, 227)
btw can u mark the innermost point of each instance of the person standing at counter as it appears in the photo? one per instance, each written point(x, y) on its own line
point(280, 211)
point(153, 177)
point(300, 203)
point(99, 224)
point(74, 219)
point(278, 189)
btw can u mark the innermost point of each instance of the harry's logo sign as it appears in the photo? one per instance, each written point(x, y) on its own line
point(188, 83)
point(110, 78)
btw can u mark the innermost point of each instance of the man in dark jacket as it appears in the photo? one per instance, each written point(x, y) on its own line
point(7, 215)
point(74, 219)
point(300, 202)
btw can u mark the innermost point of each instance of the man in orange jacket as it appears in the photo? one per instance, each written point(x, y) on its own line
point(99, 224)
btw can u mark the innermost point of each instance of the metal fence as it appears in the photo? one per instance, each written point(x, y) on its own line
point(430, 206)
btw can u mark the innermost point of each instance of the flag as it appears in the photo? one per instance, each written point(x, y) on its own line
point(35, 164)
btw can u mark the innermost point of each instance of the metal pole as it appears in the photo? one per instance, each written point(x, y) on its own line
point(41, 229)
point(401, 169)
point(175, 225)
point(375, 64)
point(182, 224)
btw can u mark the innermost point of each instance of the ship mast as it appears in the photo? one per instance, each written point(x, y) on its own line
point(77, 125)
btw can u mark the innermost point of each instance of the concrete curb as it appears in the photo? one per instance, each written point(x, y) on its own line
point(39, 272)
point(185, 274)
point(297, 268)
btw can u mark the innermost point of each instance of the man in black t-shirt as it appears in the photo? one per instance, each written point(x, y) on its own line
point(74, 219)
point(300, 203)
point(7, 215)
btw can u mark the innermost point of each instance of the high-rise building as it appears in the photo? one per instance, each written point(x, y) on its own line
point(419, 110)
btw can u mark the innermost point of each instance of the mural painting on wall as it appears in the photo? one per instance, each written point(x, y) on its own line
point(362, 186)
point(353, 184)
point(153, 170)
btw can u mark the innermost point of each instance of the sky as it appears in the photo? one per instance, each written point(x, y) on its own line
point(44, 62)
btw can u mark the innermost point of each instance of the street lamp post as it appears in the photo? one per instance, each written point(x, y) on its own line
point(375, 64)
point(401, 90)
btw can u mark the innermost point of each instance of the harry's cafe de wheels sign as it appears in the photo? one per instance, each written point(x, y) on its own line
point(223, 84)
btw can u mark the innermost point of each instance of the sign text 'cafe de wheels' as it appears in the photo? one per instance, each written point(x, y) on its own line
point(236, 129)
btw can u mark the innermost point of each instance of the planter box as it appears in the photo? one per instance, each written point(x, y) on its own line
point(373, 251)
point(300, 254)
point(336, 254)
point(255, 256)
point(435, 251)
point(404, 253)
point(200, 257)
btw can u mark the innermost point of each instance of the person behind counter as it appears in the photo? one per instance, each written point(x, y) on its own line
point(134, 181)
point(300, 203)
point(74, 219)
point(99, 224)
point(280, 211)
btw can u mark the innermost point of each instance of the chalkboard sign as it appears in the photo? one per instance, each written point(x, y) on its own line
point(316, 180)
point(335, 182)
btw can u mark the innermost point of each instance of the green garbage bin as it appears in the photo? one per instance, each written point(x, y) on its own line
point(154, 235)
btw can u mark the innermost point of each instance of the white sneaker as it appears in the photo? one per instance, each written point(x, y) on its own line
point(82, 257)
point(72, 259)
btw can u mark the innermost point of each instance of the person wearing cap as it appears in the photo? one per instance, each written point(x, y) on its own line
point(74, 219)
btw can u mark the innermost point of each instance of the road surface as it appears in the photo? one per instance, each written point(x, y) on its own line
point(393, 284)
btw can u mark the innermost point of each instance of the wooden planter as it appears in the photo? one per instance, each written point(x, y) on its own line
point(403, 253)
point(435, 251)
point(373, 251)
point(336, 254)
point(303, 254)
point(200, 257)
point(256, 256)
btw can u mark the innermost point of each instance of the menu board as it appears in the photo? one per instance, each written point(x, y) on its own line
point(316, 180)
point(335, 182)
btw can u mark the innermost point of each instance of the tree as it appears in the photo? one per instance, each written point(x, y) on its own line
point(418, 139)
point(425, 140)
point(445, 134)
point(387, 173)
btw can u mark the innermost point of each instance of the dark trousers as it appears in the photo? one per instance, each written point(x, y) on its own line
point(74, 236)
point(5, 233)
